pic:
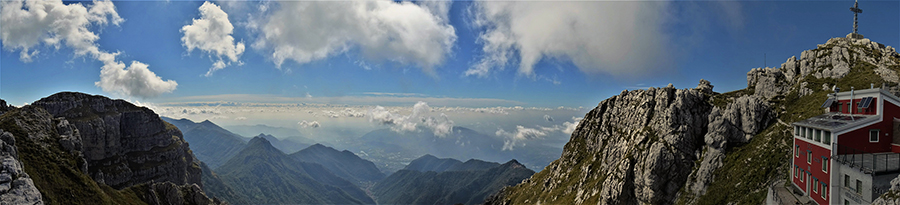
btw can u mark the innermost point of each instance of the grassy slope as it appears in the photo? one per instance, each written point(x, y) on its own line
point(56, 174)
point(748, 169)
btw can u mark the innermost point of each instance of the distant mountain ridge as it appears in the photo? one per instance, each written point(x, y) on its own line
point(344, 164)
point(391, 151)
point(211, 144)
point(285, 145)
point(263, 174)
point(448, 181)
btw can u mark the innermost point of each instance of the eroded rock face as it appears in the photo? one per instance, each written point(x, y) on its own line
point(767, 82)
point(734, 126)
point(637, 147)
point(162, 193)
point(123, 144)
point(892, 197)
point(16, 187)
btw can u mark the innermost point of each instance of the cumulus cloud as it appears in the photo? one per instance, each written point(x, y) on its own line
point(136, 80)
point(517, 137)
point(305, 124)
point(441, 125)
point(614, 38)
point(569, 127)
point(548, 118)
point(403, 32)
point(522, 133)
point(28, 24)
point(212, 33)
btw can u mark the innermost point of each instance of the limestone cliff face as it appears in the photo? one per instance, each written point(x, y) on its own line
point(16, 187)
point(660, 145)
point(637, 147)
point(124, 144)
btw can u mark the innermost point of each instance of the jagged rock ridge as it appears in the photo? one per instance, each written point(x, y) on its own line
point(662, 144)
point(53, 153)
point(124, 144)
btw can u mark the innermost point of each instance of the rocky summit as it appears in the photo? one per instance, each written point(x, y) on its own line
point(93, 150)
point(667, 145)
point(125, 144)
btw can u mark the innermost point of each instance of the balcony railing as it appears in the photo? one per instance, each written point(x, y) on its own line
point(869, 163)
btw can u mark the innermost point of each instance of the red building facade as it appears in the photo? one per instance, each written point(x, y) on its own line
point(839, 157)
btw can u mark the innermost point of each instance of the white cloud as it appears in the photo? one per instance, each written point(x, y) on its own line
point(403, 32)
point(548, 118)
point(240, 118)
point(137, 80)
point(441, 126)
point(569, 127)
point(305, 124)
point(517, 138)
point(24, 25)
point(212, 33)
point(614, 38)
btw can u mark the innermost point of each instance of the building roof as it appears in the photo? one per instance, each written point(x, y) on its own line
point(836, 122)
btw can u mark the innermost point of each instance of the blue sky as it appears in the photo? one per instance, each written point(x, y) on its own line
point(585, 51)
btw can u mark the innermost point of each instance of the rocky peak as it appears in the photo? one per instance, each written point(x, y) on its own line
point(834, 60)
point(124, 144)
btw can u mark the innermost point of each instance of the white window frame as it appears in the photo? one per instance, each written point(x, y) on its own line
point(796, 130)
point(827, 135)
point(797, 151)
point(847, 181)
point(824, 191)
point(825, 164)
point(816, 186)
point(877, 134)
point(809, 157)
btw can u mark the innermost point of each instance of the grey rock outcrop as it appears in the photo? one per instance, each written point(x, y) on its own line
point(835, 58)
point(16, 187)
point(705, 86)
point(735, 125)
point(892, 196)
point(4, 107)
point(123, 144)
point(161, 193)
point(767, 82)
point(637, 147)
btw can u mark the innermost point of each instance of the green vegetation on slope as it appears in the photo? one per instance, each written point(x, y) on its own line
point(55, 172)
point(263, 174)
point(748, 169)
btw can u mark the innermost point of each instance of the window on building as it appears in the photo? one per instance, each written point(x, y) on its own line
point(847, 181)
point(809, 157)
point(873, 135)
point(797, 151)
point(818, 135)
point(858, 186)
point(796, 130)
point(825, 164)
point(803, 132)
point(824, 190)
point(827, 139)
point(816, 186)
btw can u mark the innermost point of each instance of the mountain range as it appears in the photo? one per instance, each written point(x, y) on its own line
point(391, 151)
point(430, 180)
point(211, 144)
point(261, 173)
